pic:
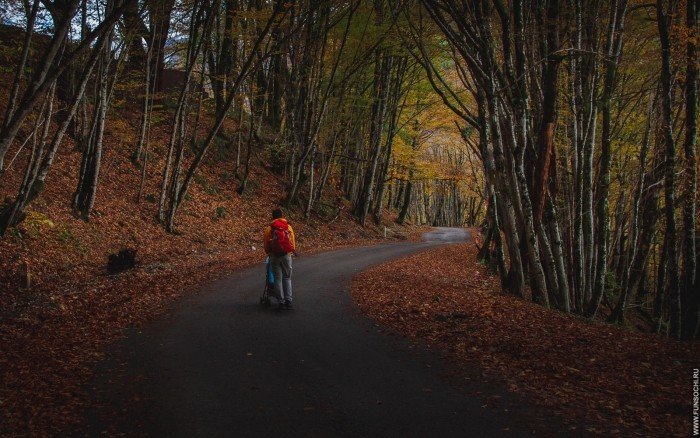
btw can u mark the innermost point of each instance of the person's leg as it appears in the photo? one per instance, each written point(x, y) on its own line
point(276, 266)
point(270, 274)
point(286, 267)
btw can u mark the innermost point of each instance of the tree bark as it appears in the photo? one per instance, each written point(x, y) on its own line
point(690, 288)
point(664, 10)
point(613, 48)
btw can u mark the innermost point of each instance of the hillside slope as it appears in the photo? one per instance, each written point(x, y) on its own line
point(59, 307)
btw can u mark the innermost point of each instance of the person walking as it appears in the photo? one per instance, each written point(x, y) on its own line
point(280, 244)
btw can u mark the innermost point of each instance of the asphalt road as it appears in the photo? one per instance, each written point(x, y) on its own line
point(222, 365)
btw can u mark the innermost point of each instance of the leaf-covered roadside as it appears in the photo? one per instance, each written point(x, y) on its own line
point(596, 378)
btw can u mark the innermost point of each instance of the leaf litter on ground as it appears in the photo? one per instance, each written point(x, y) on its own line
point(593, 378)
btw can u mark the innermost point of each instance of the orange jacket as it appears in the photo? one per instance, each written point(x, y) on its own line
point(268, 233)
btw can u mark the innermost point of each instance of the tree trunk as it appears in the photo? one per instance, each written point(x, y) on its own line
point(664, 10)
point(47, 72)
point(690, 288)
point(613, 48)
point(383, 65)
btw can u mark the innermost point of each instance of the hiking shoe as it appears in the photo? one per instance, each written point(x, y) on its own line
point(282, 306)
point(288, 305)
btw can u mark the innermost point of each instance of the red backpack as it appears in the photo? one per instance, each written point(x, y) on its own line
point(280, 238)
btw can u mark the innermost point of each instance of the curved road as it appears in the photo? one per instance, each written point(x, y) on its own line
point(222, 365)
